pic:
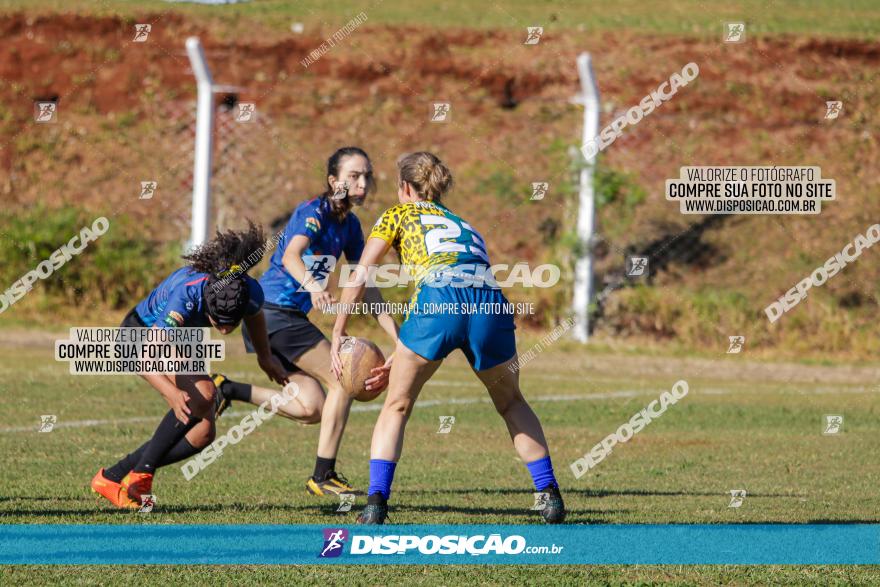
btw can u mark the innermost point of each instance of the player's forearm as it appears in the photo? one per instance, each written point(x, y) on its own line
point(159, 381)
point(256, 326)
point(297, 269)
point(345, 303)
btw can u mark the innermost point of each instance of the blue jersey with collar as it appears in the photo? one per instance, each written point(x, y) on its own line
point(327, 236)
point(179, 300)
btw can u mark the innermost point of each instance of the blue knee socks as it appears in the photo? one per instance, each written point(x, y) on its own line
point(381, 477)
point(542, 473)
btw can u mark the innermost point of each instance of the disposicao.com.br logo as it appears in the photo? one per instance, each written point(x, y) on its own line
point(477, 545)
point(334, 540)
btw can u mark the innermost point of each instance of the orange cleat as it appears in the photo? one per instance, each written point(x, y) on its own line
point(112, 491)
point(137, 484)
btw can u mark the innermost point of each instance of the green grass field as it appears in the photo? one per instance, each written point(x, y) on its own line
point(857, 18)
point(744, 425)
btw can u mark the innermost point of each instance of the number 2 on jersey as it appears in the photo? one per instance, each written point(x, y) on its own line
point(445, 237)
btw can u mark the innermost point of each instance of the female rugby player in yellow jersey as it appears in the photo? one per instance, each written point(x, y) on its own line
point(437, 245)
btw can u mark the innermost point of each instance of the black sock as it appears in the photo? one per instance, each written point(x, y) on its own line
point(126, 464)
point(237, 391)
point(168, 434)
point(182, 450)
point(322, 467)
point(376, 499)
point(179, 451)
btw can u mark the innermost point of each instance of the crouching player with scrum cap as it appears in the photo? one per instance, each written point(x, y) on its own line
point(212, 290)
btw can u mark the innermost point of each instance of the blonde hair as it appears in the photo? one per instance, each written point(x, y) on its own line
point(426, 173)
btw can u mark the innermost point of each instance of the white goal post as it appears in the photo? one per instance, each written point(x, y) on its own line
point(583, 271)
point(201, 198)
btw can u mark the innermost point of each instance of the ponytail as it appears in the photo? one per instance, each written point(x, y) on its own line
point(427, 174)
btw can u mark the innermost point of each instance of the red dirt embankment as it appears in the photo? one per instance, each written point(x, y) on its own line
point(124, 114)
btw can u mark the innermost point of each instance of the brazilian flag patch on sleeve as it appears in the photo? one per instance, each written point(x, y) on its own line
point(174, 319)
point(313, 224)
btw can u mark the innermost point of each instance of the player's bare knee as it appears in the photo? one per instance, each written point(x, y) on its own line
point(311, 416)
point(202, 434)
point(208, 391)
point(206, 438)
point(316, 411)
point(201, 406)
point(305, 413)
point(312, 413)
point(400, 405)
point(509, 404)
point(196, 385)
point(503, 408)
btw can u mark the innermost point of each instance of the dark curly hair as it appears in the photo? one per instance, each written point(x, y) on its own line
point(233, 250)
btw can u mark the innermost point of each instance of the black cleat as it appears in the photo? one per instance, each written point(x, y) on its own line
point(221, 401)
point(375, 511)
point(554, 511)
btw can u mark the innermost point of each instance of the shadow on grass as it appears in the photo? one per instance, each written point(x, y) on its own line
point(158, 509)
point(318, 510)
point(588, 492)
point(516, 511)
point(520, 515)
point(29, 498)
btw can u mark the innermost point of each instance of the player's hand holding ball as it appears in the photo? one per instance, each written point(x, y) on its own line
point(335, 361)
point(359, 365)
point(379, 380)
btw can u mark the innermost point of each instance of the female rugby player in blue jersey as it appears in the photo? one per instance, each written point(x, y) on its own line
point(211, 291)
point(317, 234)
point(434, 241)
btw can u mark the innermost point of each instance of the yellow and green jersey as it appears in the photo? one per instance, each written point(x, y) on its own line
point(428, 236)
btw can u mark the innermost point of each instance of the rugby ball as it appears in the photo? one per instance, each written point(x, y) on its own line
point(359, 357)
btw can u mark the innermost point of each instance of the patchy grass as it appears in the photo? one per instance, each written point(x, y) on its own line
point(743, 425)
